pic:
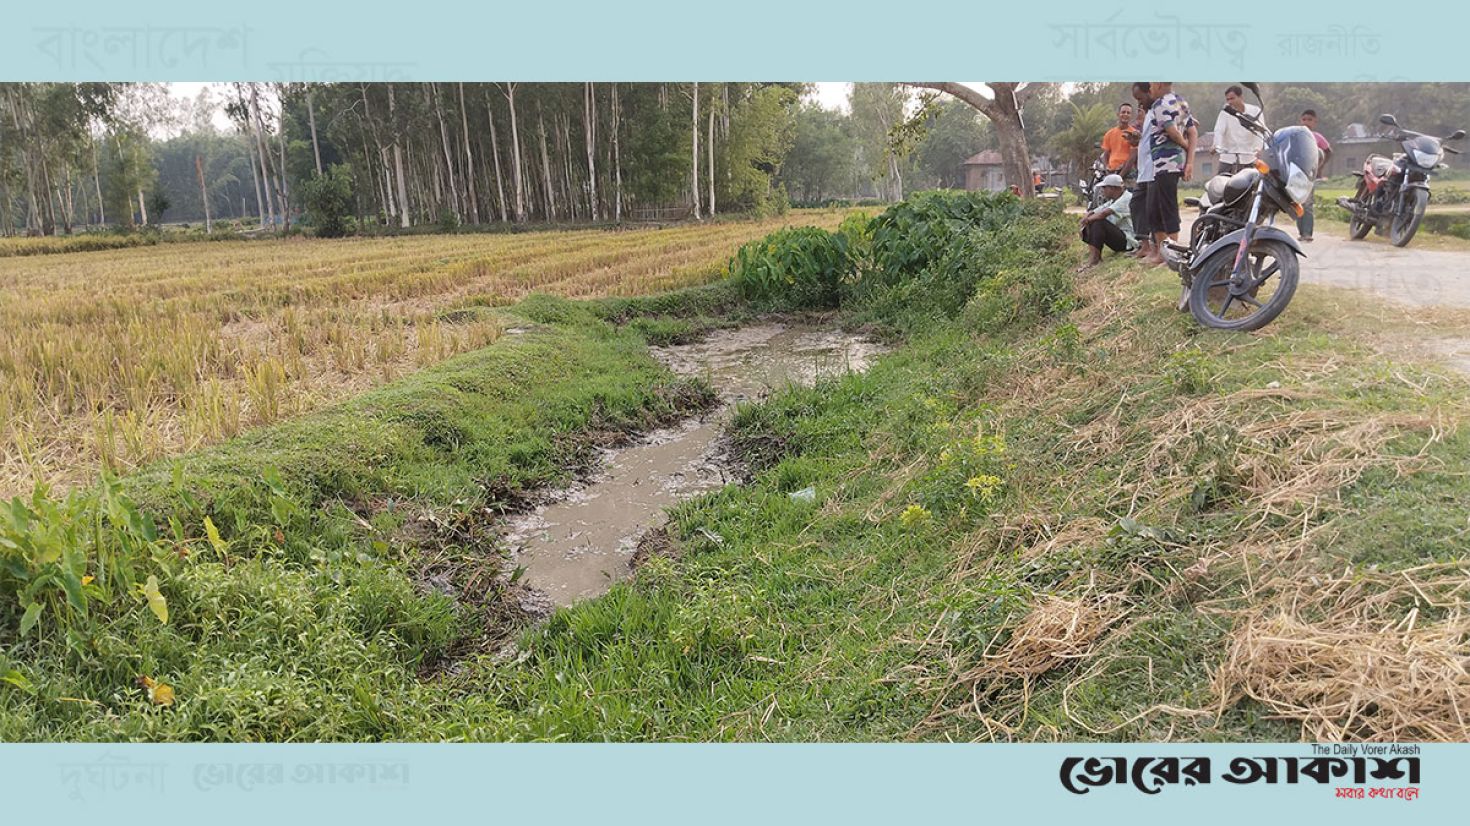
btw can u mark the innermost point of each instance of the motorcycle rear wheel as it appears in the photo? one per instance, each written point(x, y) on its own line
point(1358, 225)
point(1273, 267)
point(1406, 222)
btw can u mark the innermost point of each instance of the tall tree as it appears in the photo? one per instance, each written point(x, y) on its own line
point(1003, 108)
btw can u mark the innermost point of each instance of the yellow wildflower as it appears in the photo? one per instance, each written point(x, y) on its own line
point(913, 515)
point(984, 486)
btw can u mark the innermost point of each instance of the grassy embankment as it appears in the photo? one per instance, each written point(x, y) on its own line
point(1059, 510)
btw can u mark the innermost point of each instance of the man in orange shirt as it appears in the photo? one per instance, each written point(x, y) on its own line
point(1119, 154)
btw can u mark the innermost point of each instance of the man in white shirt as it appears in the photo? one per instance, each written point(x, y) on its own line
point(1235, 144)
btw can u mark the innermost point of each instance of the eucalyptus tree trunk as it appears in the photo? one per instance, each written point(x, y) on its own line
point(203, 193)
point(515, 155)
point(495, 152)
point(709, 148)
point(617, 114)
point(694, 151)
point(386, 178)
point(316, 149)
point(455, 205)
point(546, 166)
point(569, 187)
point(259, 200)
point(265, 170)
point(398, 162)
point(142, 207)
point(285, 193)
point(590, 123)
point(469, 159)
point(97, 181)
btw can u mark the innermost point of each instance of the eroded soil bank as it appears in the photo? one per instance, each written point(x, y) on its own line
point(581, 539)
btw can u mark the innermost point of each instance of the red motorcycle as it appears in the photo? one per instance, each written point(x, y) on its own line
point(1394, 192)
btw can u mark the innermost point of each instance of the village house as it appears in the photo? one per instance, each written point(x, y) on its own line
point(1354, 147)
point(984, 171)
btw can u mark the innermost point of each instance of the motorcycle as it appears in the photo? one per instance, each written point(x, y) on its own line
point(1394, 192)
point(1091, 193)
point(1240, 270)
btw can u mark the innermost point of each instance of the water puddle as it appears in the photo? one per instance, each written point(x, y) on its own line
point(580, 541)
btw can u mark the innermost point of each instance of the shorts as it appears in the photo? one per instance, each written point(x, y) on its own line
point(1163, 203)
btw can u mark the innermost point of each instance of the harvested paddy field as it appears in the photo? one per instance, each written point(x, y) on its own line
point(113, 358)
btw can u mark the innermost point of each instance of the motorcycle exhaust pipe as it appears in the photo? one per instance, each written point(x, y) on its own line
point(1349, 205)
point(1174, 257)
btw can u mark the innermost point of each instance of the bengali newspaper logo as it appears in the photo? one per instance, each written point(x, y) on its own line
point(129, 48)
point(1348, 768)
point(1163, 35)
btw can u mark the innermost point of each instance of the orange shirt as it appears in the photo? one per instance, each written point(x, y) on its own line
point(1119, 150)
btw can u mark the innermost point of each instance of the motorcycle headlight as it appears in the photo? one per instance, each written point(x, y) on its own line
point(1428, 160)
point(1299, 184)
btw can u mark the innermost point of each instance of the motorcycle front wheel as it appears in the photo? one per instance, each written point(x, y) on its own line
point(1406, 221)
point(1359, 226)
point(1267, 282)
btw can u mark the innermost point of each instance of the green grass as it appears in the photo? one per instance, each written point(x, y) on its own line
point(314, 596)
point(1048, 442)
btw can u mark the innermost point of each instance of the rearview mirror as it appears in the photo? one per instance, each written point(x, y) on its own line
point(1388, 120)
point(1458, 134)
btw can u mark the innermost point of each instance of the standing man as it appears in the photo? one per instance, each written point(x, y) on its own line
point(1110, 225)
point(1307, 222)
point(1118, 151)
point(1236, 145)
point(1143, 123)
point(1171, 143)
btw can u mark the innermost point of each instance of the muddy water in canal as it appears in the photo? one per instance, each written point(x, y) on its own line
point(580, 541)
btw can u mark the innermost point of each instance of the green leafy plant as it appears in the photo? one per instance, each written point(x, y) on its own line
point(328, 200)
point(63, 560)
point(797, 267)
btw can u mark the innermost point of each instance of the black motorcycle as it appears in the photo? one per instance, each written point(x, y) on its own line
point(1394, 192)
point(1239, 269)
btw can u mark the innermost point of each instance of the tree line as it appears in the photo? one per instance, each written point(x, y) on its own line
point(412, 153)
point(407, 154)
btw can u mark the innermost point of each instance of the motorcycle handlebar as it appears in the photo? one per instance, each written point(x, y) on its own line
point(1248, 120)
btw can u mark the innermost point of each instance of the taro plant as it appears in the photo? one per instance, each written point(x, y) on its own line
point(796, 267)
point(64, 560)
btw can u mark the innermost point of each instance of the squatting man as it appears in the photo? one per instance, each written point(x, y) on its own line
point(1109, 224)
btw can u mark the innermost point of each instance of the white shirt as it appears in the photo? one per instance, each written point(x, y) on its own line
point(1233, 141)
point(1145, 157)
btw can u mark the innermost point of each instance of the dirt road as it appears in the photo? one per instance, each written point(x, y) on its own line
point(1415, 276)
